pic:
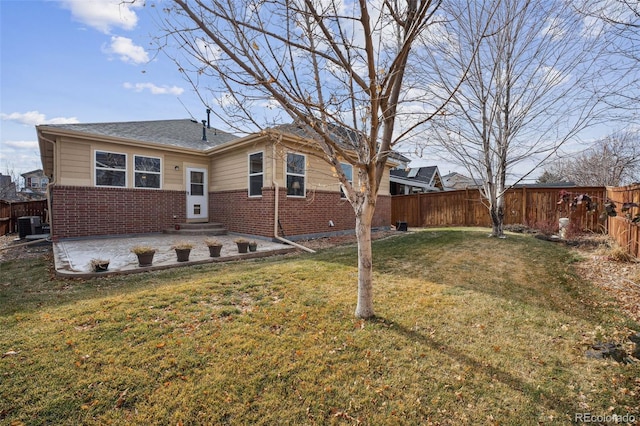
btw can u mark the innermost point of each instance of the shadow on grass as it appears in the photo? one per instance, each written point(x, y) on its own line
point(531, 391)
point(518, 269)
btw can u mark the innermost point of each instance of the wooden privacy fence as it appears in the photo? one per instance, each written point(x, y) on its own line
point(11, 211)
point(529, 206)
point(621, 228)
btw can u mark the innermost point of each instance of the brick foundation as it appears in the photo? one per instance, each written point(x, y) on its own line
point(88, 211)
point(298, 216)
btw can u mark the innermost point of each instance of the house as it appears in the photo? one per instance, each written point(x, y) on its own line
point(147, 176)
point(456, 180)
point(414, 180)
point(35, 180)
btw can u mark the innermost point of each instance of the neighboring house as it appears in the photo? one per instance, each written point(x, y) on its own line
point(459, 181)
point(147, 176)
point(415, 180)
point(35, 180)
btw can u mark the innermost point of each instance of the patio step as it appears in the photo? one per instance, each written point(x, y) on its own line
point(209, 228)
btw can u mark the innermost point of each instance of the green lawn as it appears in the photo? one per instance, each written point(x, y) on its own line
point(471, 330)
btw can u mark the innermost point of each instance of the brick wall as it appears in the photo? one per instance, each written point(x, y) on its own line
point(239, 213)
point(298, 216)
point(87, 211)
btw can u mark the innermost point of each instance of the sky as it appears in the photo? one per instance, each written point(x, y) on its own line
point(87, 61)
point(80, 61)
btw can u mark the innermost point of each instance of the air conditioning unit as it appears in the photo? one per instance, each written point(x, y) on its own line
point(29, 225)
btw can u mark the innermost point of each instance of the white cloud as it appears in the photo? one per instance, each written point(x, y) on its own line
point(104, 14)
point(17, 157)
point(32, 118)
point(21, 144)
point(155, 90)
point(126, 50)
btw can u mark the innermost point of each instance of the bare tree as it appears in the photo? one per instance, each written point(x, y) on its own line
point(336, 68)
point(610, 161)
point(531, 87)
point(619, 21)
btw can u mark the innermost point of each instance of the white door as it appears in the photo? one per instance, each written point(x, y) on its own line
point(197, 194)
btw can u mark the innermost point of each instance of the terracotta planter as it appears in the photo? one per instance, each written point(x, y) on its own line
point(183, 254)
point(214, 251)
point(242, 247)
point(146, 258)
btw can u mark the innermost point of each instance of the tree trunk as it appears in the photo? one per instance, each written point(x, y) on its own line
point(497, 217)
point(364, 218)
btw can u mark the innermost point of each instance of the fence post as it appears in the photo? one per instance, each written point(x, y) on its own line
point(524, 206)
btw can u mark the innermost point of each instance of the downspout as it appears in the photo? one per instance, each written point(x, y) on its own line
point(276, 203)
point(51, 183)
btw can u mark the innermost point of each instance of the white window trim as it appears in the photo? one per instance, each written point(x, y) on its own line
point(304, 175)
point(125, 170)
point(142, 171)
point(254, 174)
point(342, 193)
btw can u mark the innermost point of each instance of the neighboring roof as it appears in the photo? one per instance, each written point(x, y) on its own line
point(182, 133)
point(422, 177)
point(420, 174)
point(38, 172)
point(459, 179)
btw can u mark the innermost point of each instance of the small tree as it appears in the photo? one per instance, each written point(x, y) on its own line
point(611, 161)
point(335, 68)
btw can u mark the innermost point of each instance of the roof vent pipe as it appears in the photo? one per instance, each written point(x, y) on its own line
point(208, 118)
point(204, 130)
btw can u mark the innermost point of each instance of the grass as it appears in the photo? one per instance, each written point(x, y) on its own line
point(471, 330)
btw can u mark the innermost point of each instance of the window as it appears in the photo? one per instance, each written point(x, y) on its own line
point(147, 172)
point(256, 173)
point(295, 174)
point(111, 169)
point(348, 171)
point(196, 180)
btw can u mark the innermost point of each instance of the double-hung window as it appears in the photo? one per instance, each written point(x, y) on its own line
point(147, 172)
point(111, 169)
point(347, 169)
point(256, 174)
point(296, 164)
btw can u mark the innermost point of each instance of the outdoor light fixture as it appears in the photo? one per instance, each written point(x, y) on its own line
point(176, 168)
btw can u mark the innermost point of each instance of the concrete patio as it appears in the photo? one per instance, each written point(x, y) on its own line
point(73, 257)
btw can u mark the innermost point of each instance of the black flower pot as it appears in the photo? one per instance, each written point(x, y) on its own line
point(145, 259)
point(214, 251)
point(183, 254)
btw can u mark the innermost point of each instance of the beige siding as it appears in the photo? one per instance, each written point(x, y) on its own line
point(76, 165)
point(227, 170)
point(320, 176)
point(230, 170)
point(175, 179)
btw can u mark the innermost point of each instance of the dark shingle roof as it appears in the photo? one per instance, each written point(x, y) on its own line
point(183, 133)
point(421, 174)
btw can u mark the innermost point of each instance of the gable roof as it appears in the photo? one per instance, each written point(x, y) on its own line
point(38, 172)
point(182, 133)
point(427, 175)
